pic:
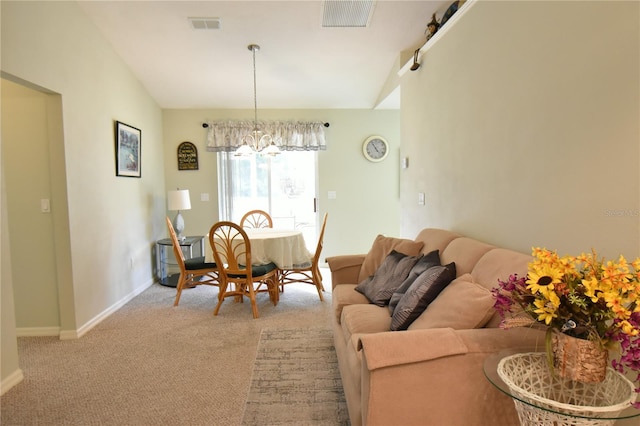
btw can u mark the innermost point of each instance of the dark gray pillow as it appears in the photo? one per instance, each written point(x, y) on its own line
point(394, 270)
point(422, 292)
point(427, 261)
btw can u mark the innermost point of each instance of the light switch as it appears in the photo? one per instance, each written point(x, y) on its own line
point(404, 163)
point(421, 198)
point(332, 195)
point(45, 206)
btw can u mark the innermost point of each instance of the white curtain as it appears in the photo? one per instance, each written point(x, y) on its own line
point(227, 135)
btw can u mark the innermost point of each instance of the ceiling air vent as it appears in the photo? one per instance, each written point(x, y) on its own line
point(205, 23)
point(347, 14)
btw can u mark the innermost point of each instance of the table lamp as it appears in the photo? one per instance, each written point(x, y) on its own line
point(179, 200)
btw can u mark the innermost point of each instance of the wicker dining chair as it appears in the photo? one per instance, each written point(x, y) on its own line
point(256, 219)
point(238, 277)
point(194, 271)
point(310, 274)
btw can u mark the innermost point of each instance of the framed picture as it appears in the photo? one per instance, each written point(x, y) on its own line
point(128, 141)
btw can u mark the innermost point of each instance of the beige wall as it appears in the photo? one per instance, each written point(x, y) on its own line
point(104, 226)
point(367, 200)
point(11, 373)
point(522, 128)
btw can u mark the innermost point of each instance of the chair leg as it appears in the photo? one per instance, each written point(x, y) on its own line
point(274, 289)
point(222, 289)
point(181, 281)
point(252, 298)
point(317, 280)
point(281, 278)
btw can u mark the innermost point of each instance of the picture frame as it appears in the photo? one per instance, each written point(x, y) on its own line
point(128, 150)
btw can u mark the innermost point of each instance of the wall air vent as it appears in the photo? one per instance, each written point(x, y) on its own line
point(205, 23)
point(347, 13)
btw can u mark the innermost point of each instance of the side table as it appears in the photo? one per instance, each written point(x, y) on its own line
point(166, 263)
point(541, 398)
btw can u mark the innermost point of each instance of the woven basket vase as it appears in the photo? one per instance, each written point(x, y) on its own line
point(578, 359)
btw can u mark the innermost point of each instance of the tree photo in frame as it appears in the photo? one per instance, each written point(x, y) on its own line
point(128, 143)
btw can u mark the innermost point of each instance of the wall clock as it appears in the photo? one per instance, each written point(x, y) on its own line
point(375, 148)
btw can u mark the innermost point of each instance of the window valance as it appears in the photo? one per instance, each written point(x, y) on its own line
point(289, 135)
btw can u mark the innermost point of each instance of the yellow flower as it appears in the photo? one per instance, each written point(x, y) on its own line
point(627, 328)
point(546, 311)
point(591, 285)
point(542, 278)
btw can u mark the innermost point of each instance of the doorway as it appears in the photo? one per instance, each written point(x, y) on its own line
point(35, 185)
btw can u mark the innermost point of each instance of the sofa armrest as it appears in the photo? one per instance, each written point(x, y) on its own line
point(435, 376)
point(345, 268)
point(397, 348)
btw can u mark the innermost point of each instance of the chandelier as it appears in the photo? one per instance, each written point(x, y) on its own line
point(257, 140)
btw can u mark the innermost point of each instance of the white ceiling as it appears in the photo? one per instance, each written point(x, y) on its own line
point(300, 64)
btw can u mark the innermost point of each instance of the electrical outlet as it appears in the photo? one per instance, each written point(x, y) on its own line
point(421, 198)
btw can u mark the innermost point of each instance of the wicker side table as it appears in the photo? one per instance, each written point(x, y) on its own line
point(543, 399)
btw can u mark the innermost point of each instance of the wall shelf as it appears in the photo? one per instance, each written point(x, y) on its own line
point(438, 35)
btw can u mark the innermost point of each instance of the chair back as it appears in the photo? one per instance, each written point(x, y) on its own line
point(256, 219)
point(231, 248)
point(316, 255)
point(177, 250)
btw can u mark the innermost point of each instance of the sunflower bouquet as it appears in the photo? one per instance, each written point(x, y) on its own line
point(581, 296)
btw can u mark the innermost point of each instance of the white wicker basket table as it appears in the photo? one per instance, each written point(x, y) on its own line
point(541, 398)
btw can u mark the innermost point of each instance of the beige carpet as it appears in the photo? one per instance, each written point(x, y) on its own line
point(153, 364)
point(296, 380)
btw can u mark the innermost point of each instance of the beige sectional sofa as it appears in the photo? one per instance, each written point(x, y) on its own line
point(431, 373)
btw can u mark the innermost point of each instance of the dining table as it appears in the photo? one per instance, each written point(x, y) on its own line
point(284, 247)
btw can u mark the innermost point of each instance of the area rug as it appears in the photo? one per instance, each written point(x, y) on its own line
point(296, 380)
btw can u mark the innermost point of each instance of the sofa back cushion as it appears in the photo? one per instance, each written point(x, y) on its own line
point(465, 252)
point(381, 247)
point(435, 239)
point(497, 264)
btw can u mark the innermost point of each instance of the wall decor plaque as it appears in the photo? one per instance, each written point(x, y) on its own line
point(187, 156)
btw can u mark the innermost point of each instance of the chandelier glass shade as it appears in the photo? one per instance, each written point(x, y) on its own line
point(257, 140)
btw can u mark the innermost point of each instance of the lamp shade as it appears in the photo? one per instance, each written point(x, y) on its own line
point(179, 200)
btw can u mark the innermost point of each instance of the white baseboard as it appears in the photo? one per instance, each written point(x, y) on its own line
point(76, 334)
point(12, 380)
point(37, 331)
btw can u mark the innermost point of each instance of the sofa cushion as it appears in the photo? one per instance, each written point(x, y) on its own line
point(465, 252)
point(358, 319)
point(425, 262)
point(462, 305)
point(421, 293)
point(498, 264)
point(345, 295)
point(393, 271)
point(381, 247)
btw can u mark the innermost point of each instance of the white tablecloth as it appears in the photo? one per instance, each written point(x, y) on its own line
point(285, 248)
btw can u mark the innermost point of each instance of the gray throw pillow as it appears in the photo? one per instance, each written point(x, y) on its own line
point(393, 271)
point(427, 261)
point(422, 292)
